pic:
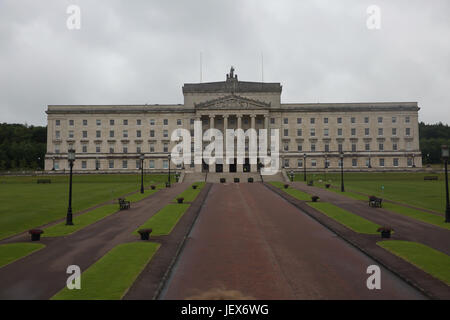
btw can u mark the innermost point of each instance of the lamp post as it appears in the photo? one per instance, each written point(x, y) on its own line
point(342, 171)
point(53, 158)
point(370, 163)
point(142, 157)
point(445, 154)
point(71, 159)
point(304, 167)
point(169, 169)
point(97, 164)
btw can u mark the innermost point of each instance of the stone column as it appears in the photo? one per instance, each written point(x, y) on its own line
point(226, 167)
point(239, 167)
point(198, 167)
point(212, 168)
point(253, 166)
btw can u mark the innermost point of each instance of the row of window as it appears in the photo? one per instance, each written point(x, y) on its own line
point(179, 122)
point(355, 163)
point(326, 132)
point(124, 164)
point(367, 147)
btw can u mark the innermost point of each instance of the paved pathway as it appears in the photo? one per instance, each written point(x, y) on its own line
point(249, 239)
point(43, 273)
point(406, 228)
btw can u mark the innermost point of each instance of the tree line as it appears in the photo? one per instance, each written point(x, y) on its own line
point(23, 147)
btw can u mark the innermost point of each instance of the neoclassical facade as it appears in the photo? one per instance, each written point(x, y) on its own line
point(111, 138)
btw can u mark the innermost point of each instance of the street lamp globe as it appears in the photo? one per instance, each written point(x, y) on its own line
point(142, 157)
point(445, 152)
point(71, 155)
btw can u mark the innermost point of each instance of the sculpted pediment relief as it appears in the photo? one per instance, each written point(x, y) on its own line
point(232, 102)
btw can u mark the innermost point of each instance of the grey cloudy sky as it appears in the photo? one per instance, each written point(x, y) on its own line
point(142, 51)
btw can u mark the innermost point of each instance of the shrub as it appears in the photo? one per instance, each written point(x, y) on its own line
point(153, 187)
point(145, 233)
point(180, 200)
point(35, 231)
point(327, 185)
point(286, 186)
point(385, 229)
point(314, 198)
point(194, 186)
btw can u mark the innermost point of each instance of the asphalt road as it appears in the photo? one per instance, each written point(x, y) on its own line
point(250, 240)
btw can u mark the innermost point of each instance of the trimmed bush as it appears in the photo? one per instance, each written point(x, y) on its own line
point(145, 233)
point(153, 187)
point(385, 231)
point(314, 198)
point(180, 200)
point(286, 186)
point(194, 186)
point(327, 185)
point(35, 234)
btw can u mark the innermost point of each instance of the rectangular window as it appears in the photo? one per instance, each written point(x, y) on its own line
point(366, 131)
point(138, 164)
point(353, 131)
point(125, 122)
point(70, 134)
point(339, 120)
point(299, 120)
point(340, 147)
point(125, 149)
point(71, 122)
point(313, 120)
point(285, 147)
point(111, 122)
point(381, 162)
point(166, 122)
point(394, 147)
point(326, 132)
point(353, 120)
point(83, 164)
point(111, 149)
point(138, 149)
point(366, 119)
point(286, 132)
point(111, 164)
point(125, 133)
point(353, 147)
point(151, 164)
point(313, 147)
point(299, 132)
point(407, 131)
point(84, 148)
point(313, 163)
point(98, 134)
point(394, 119)
point(380, 119)
point(394, 131)
point(395, 162)
point(111, 134)
point(97, 148)
point(381, 147)
point(152, 122)
point(286, 163)
point(85, 122)
point(380, 131)
point(407, 119)
point(300, 163)
point(152, 133)
point(124, 164)
point(325, 120)
point(166, 147)
point(152, 147)
point(165, 133)
point(409, 162)
point(367, 146)
point(272, 120)
point(138, 122)
point(192, 121)
point(339, 132)
point(138, 133)
point(165, 164)
point(178, 122)
point(285, 120)
point(85, 134)
point(56, 149)
point(57, 134)
point(312, 132)
point(327, 147)
point(58, 122)
point(98, 122)
point(354, 162)
point(299, 147)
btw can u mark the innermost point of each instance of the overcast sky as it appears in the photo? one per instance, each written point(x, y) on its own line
point(142, 51)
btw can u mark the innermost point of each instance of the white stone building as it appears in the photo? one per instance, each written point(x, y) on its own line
point(110, 138)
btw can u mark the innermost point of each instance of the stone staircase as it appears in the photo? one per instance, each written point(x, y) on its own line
point(214, 177)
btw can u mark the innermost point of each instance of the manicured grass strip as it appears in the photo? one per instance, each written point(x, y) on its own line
point(111, 276)
point(165, 219)
point(135, 197)
point(433, 262)
point(80, 221)
point(349, 194)
point(348, 219)
point(416, 214)
point(15, 251)
point(190, 194)
point(300, 195)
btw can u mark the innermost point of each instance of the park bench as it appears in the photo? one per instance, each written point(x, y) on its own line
point(375, 202)
point(44, 181)
point(123, 204)
point(430, 178)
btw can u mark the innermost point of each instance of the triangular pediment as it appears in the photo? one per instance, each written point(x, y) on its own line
point(231, 102)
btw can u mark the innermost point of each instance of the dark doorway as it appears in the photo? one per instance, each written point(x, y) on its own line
point(205, 167)
point(233, 166)
point(246, 167)
point(219, 167)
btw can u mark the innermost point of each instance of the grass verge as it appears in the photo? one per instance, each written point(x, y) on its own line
point(433, 262)
point(348, 219)
point(15, 251)
point(80, 221)
point(165, 219)
point(300, 195)
point(111, 276)
point(135, 197)
point(190, 194)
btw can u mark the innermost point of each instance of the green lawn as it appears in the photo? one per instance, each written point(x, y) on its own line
point(111, 276)
point(346, 218)
point(26, 204)
point(431, 261)
point(190, 194)
point(402, 187)
point(147, 192)
point(165, 219)
point(80, 221)
point(14, 251)
point(292, 191)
